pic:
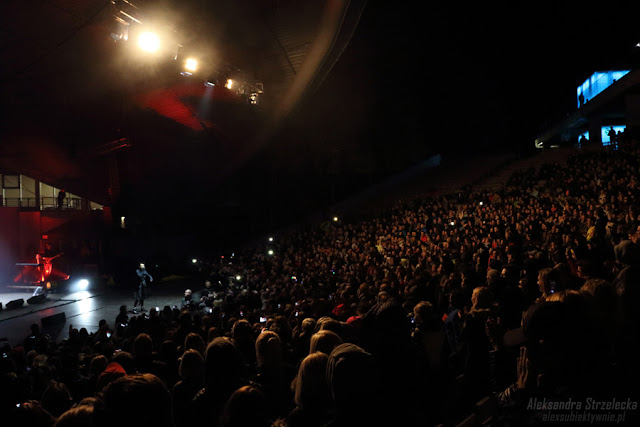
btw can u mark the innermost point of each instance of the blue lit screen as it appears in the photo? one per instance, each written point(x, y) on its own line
point(606, 140)
point(598, 82)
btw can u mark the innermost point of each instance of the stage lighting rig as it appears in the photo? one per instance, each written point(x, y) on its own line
point(120, 30)
point(125, 15)
point(149, 38)
point(150, 35)
point(191, 64)
point(255, 90)
point(149, 42)
point(249, 90)
point(211, 81)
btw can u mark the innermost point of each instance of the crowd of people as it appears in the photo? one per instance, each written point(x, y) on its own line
point(472, 304)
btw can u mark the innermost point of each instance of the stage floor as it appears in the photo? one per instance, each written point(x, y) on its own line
point(82, 309)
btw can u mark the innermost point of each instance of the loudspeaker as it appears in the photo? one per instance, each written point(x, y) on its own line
point(39, 299)
point(52, 321)
point(16, 303)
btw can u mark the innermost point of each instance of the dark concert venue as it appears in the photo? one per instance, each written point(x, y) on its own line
point(285, 213)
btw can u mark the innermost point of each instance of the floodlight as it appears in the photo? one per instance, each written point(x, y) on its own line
point(211, 81)
point(83, 284)
point(149, 42)
point(191, 64)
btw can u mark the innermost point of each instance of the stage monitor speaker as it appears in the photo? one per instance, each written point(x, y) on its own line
point(52, 321)
point(16, 303)
point(38, 299)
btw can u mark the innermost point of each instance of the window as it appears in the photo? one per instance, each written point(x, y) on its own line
point(11, 181)
point(597, 83)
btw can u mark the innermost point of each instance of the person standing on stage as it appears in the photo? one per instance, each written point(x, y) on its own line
point(142, 273)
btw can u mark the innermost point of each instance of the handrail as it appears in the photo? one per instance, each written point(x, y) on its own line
point(46, 203)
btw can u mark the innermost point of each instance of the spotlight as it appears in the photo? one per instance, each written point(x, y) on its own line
point(195, 260)
point(191, 64)
point(211, 81)
point(335, 219)
point(149, 42)
point(83, 284)
point(270, 252)
point(229, 84)
point(271, 239)
point(238, 277)
point(253, 98)
point(481, 203)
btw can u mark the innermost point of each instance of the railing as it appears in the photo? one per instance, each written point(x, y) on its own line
point(46, 203)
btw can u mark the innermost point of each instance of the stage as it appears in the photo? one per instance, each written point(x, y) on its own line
point(82, 309)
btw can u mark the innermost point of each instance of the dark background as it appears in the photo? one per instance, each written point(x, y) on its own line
point(416, 80)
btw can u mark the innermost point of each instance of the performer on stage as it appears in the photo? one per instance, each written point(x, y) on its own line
point(142, 273)
point(43, 272)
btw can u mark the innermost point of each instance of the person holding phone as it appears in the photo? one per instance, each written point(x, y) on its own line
point(143, 275)
point(122, 317)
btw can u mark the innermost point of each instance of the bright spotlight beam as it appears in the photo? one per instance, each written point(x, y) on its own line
point(149, 42)
point(83, 284)
point(191, 64)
